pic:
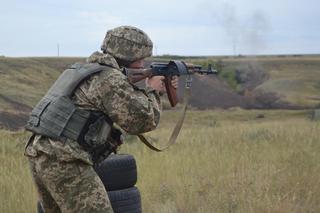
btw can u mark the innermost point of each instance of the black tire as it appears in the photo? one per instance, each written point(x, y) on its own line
point(125, 200)
point(118, 172)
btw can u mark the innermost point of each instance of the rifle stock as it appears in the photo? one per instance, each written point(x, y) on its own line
point(136, 75)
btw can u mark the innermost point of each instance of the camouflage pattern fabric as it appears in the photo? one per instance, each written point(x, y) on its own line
point(104, 59)
point(55, 163)
point(127, 43)
point(68, 186)
point(134, 110)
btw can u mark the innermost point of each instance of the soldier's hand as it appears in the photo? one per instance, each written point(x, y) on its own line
point(156, 82)
point(175, 82)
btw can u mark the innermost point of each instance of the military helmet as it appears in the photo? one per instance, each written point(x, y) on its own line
point(127, 43)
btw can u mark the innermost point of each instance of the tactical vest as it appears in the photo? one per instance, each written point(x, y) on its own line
point(57, 117)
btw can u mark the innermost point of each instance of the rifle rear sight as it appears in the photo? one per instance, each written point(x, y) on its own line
point(180, 68)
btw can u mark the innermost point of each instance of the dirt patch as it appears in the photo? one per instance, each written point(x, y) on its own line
point(17, 106)
point(211, 92)
point(13, 121)
point(17, 117)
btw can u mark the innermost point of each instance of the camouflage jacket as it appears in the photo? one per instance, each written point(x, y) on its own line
point(134, 110)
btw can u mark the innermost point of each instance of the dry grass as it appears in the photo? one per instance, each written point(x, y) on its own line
point(17, 193)
point(234, 166)
point(224, 161)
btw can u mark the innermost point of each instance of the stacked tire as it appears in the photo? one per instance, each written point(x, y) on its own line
point(119, 176)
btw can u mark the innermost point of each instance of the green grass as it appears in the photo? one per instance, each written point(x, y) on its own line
point(223, 161)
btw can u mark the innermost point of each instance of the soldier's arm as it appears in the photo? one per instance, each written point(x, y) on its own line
point(136, 111)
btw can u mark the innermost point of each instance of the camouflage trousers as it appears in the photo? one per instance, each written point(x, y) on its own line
point(68, 186)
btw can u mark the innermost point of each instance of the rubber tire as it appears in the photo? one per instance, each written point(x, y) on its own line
point(125, 200)
point(118, 172)
point(122, 201)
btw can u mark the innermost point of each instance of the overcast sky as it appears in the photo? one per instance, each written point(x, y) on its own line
point(181, 27)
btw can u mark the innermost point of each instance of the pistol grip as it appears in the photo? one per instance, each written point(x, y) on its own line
point(171, 91)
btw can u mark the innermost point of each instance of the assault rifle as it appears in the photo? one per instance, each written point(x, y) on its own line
point(168, 70)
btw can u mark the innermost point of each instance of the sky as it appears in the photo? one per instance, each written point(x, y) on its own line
point(176, 27)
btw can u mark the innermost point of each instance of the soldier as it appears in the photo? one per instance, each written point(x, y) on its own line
point(73, 123)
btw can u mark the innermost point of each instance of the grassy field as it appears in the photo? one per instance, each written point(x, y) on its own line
point(224, 161)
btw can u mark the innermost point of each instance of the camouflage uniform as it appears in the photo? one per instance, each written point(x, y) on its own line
point(62, 171)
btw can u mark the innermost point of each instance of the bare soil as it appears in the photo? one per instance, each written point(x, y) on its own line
point(13, 121)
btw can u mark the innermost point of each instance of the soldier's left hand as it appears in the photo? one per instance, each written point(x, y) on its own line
point(175, 82)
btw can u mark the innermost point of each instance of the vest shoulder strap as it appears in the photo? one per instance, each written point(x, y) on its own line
point(72, 77)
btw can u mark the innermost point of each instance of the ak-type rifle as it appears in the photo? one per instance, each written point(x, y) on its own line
point(168, 70)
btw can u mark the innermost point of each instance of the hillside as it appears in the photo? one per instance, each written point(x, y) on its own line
point(22, 83)
point(289, 82)
point(273, 81)
point(293, 79)
point(24, 80)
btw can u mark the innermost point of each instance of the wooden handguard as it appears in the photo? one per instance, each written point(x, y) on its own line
point(171, 91)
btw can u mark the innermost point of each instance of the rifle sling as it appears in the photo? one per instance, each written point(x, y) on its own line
point(176, 130)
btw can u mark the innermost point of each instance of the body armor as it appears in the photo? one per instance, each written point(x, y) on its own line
point(57, 117)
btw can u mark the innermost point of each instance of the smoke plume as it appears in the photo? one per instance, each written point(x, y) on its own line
point(247, 32)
